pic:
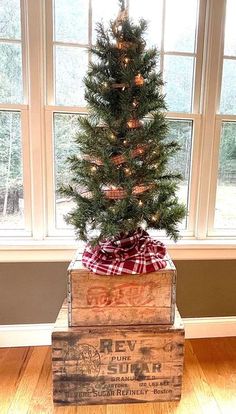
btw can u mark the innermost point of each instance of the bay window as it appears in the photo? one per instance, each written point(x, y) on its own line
point(44, 55)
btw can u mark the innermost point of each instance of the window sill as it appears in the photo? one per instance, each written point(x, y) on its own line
point(63, 250)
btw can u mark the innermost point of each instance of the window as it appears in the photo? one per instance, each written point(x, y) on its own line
point(223, 215)
point(11, 97)
point(44, 54)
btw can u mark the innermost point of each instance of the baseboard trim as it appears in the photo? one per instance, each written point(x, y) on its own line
point(212, 327)
point(40, 334)
point(25, 335)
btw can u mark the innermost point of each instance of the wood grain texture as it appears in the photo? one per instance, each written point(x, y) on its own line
point(121, 300)
point(209, 381)
point(114, 364)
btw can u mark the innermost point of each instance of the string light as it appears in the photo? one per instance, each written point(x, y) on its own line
point(135, 103)
point(93, 168)
point(140, 203)
point(123, 89)
point(112, 136)
point(154, 218)
point(125, 142)
point(127, 171)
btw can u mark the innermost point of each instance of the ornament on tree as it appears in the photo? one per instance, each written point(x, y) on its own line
point(134, 123)
point(138, 80)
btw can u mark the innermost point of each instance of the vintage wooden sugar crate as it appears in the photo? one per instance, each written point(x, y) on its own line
point(116, 364)
point(121, 300)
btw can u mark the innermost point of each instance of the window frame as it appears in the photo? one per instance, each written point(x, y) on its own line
point(23, 109)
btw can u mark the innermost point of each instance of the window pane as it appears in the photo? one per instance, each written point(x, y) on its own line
point(71, 66)
point(105, 11)
point(71, 21)
point(228, 91)
point(65, 127)
point(178, 75)
point(10, 73)
point(181, 131)
point(180, 25)
point(11, 181)
point(10, 19)
point(152, 12)
point(225, 211)
point(230, 31)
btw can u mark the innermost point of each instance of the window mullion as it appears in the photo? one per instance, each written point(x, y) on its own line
point(194, 173)
point(212, 59)
point(36, 116)
point(199, 56)
point(214, 176)
point(50, 165)
point(26, 169)
point(49, 51)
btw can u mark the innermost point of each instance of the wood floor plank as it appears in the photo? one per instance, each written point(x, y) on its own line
point(41, 401)
point(12, 369)
point(92, 409)
point(198, 379)
point(219, 368)
point(130, 409)
point(28, 382)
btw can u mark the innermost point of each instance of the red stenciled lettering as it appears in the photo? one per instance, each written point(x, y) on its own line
point(97, 296)
point(130, 294)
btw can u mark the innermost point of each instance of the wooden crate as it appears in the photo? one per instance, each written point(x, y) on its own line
point(121, 300)
point(116, 364)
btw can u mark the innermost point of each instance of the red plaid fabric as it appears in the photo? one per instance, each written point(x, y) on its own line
point(135, 254)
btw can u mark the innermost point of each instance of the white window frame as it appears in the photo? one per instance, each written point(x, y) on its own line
point(22, 108)
point(43, 241)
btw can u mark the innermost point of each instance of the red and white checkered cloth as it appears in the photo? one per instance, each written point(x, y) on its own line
point(134, 254)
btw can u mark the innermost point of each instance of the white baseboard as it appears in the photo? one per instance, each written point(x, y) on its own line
point(210, 327)
point(25, 335)
point(40, 334)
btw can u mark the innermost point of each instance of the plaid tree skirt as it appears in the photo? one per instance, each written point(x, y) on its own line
point(134, 254)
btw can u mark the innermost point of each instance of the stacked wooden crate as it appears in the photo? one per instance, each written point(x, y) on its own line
point(118, 339)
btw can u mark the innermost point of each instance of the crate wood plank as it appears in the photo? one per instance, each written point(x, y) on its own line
point(116, 364)
point(121, 300)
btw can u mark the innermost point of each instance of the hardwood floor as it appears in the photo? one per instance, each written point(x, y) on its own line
point(209, 385)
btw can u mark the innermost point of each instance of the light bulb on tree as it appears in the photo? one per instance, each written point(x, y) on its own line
point(112, 136)
point(93, 169)
point(126, 61)
point(127, 171)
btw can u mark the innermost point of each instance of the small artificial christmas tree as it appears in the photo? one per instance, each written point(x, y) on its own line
point(121, 180)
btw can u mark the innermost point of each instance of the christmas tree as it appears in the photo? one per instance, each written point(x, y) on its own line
point(121, 178)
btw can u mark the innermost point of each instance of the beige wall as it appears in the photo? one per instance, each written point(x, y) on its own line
point(33, 292)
